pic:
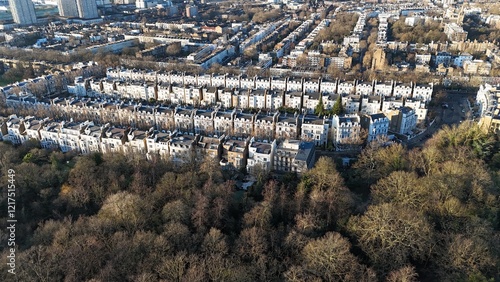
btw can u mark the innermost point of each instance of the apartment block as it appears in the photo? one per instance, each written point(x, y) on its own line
point(234, 152)
point(203, 121)
point(264, 125)
point(182, 148)
point(455, 32)
point(391, 103)
point(260, 154)
point(287, 126)
point(346, 129)
point(364, 88)
point(69, 136)
point(210, 146)
point(352, 103)
point(243, 124)
point(294, 156)
point(90, 138)
point(315, 129)
point(223, 122)
point(136, 142)
point(403, 120)
point(376, 126)
point(184, 120)
point(113, 139)
point(371, 104)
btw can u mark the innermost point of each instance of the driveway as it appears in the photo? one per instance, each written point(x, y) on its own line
point(458, 110)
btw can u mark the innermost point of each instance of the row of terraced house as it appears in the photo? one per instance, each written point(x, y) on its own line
point(87, 137)
point(265, 125)
point(287, 84)
point(252, 93)
point(303, 96)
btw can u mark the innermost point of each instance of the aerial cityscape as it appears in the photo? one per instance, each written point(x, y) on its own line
point(232, 140)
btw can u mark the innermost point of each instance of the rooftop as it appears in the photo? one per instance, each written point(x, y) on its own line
point(183, 140)
point(261, 148)
point(233, 145)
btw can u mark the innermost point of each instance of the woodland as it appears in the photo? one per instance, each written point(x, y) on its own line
point(426, 214)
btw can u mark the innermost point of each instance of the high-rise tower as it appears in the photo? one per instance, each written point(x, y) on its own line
point(23, 11)
point(67, 8)
point(87, 9)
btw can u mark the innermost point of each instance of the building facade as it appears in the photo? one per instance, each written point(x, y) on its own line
point(87, 9)
point(23, 11)
point(294, 156)
point(376, 126)
point(67, 8)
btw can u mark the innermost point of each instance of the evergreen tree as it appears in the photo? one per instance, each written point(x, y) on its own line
point(338, 108)
point(320, 108)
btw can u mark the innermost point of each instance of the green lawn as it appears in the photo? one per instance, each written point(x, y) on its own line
point(4, 82)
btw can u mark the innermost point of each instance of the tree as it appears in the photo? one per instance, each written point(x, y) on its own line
point(439, 96)
point(199, 215)
point(367, 60)
point(470, 255)
point(253, 71)
point(320, 108)
point(391, 236)
point(329, 258)
point(252, 244)
point(215, 243)
point(425, 161)
point(39, 88)
point(250, 53)
point(13, 74)
point(309, 224)
point(334, 71)
point(338, 108)
point(178, 236)
point(173, 49)
point(84, 186)
point(405, 274)
point(467, 134)
point(401, 188)
point(302, 61)
point(176, 211)
point(259, 216)
point(124, 209)
point(469, 247)
point(214, 68)
point(173, 268)
point(60, 83)
point(376, 162)
point(41, 265)
point(263, 16)
point(328, 197)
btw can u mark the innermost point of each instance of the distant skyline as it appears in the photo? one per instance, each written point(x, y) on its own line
point(23, 11)
point(40, 11)
point(67, 8)
point(86, 9)
point(46, 2)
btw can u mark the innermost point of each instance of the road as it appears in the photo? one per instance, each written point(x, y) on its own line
point(458, 110)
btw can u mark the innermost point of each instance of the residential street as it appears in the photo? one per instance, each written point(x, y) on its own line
point(458, 110)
